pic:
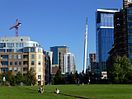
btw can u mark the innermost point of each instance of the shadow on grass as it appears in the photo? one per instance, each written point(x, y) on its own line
point(78, 97)
point(69, 95)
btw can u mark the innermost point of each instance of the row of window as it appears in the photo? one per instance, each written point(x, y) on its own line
point(19, 56)
point(13, 69)
point(20, 50)
point(107, 19)
point(6, 63)
point(11, 45)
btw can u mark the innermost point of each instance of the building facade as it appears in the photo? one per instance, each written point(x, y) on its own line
point(122, 33)
point(92, 61)
point(92, 57)
point(69, 63)
point(58, 57)
point(48, 67)
point(126, 3)
point(104, 33)
point(20, 54)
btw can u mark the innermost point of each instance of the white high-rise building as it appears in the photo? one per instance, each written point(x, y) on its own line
point(69, 63)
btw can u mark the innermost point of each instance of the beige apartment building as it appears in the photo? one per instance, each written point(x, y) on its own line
point(20, 54)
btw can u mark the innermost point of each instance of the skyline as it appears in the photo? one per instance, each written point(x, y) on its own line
point(55, 23)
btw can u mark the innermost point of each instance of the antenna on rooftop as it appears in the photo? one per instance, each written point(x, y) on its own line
point(16, 27)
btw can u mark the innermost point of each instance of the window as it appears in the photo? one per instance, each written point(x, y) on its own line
point(39, 76)
point(32, 49)
point(15, 56)
point(2, 50)
point(19, 69)
point(10, 44)
point(10, 56)
point(21, 39)
point(25, 62)
point(39, 63)
point(20, 63)
point(17, 44)
point(2, 45)
point(26, 49)
point(4, 56)
point(129, 11)
point(15, 69)
point(10, 68)
point(39, 50)
point(10, 50)
point(4, 63)
point(25, 56)
point(32, 63)
point(25, 69)
point(10, 63)
point(19, 56)
point(21, 44)
point(32, 56)
point(4, 69)
point(15, 63)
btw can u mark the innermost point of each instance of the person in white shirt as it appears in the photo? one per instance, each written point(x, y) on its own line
point(57, 91)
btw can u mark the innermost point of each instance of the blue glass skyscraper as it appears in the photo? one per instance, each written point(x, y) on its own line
point(104, 33)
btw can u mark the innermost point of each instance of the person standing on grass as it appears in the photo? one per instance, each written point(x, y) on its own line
point(40, 89)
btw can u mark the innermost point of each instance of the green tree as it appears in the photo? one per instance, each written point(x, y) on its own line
point(30, 78)
point(10, 78)
point(121, 70)
point(19, 78)
point(59, 78)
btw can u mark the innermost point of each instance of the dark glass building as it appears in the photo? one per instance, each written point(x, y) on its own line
point(104, 33)
point(104, 38)
point(122, 34)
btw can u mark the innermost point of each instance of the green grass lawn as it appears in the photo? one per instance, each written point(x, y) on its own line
point(68, 92)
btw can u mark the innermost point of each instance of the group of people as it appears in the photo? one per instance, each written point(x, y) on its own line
point(41, 90)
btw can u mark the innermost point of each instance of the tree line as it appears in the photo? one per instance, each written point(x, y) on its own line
point(18, 79)
point(119, 72)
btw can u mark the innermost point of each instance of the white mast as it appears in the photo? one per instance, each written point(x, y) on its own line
point(85, 47)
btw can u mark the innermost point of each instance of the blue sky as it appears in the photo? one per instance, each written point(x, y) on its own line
point(55, 22)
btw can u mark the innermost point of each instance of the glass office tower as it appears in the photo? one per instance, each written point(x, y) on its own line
point(104, 33)
point(129, 30)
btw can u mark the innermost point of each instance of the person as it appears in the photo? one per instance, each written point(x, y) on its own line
point(57, 91)
point(40, 89)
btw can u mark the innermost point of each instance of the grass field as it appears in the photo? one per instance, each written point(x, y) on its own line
point(68, 92)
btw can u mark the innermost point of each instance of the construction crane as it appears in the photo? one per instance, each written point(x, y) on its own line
point(16, 26)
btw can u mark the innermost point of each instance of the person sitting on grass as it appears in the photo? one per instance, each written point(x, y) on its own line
point(57, 91)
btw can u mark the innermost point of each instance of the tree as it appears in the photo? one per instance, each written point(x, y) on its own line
point(30, 78)
point(10, 78)
point(121, 70)
point(19, 78)
point(59, 78)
